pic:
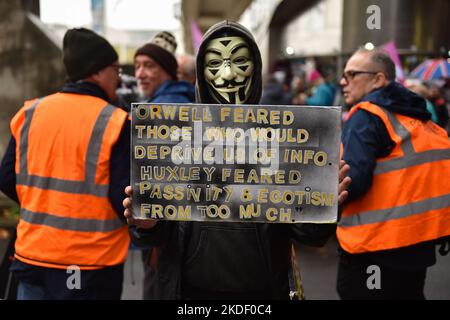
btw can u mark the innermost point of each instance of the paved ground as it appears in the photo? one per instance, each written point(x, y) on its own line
point(318, 269)
point(133, 276)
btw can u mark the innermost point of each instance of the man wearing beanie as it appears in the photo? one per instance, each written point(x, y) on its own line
point(67, 164)
point(156, 72)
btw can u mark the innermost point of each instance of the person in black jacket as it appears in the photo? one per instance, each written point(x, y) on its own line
point(204, 260)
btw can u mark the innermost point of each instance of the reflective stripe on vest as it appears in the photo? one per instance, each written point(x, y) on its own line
point(409, 209)
point(371, 224)
point(74, 224)
point(411, 157)
point(413, 160)
point(87, 186)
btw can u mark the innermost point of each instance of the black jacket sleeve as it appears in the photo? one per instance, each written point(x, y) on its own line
point(120, 170)
point(365, 138)
point(154, 237)
point(8, 172)
point(312, 234)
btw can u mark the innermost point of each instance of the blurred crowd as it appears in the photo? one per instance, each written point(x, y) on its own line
point(309, 85)
point(316, 88)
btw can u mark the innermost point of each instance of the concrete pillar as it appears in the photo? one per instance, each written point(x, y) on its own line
point(30, 63)
point(421, 24)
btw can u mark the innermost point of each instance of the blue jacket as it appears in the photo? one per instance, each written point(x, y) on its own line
point(323, 95)
point(365, 138)
point(174, 92)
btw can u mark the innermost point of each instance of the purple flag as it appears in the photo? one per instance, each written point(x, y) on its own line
point(391, 49)
point(196, 36)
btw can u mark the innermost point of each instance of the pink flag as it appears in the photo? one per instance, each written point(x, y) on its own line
point(196, 36)
point(391, 49)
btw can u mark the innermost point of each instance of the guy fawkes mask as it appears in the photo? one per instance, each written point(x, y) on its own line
point(228, 69)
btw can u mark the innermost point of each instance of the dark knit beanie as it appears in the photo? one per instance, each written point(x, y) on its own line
point(161, 56)
point(85, 53)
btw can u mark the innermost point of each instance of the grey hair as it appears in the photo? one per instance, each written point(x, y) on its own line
point(189, 64)
point(382, 60)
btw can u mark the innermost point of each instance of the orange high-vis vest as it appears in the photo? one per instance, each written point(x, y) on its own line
point(409, 199)
point(64, 144)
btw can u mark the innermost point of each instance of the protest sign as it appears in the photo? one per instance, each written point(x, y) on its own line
point(248, 163)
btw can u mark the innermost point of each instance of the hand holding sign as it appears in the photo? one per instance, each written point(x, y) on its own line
point(144, 224)
point(344, 181)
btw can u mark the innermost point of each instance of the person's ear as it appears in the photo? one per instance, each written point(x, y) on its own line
point(380, 80)
point(98, 76)
point(95, 77)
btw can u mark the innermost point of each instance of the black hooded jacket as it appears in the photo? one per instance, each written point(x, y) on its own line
point(207, 260)
point(229, 29)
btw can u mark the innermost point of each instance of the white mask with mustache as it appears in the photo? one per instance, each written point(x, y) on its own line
point(228, 69)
